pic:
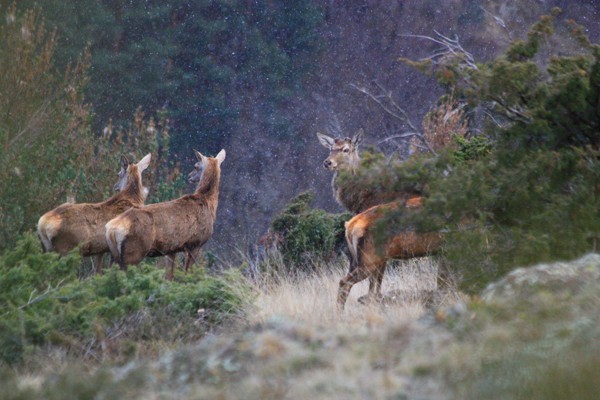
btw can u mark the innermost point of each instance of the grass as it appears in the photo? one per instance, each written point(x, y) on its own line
point(290, 341)
point(311, 299)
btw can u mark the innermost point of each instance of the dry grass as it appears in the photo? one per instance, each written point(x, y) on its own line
point(311, 299)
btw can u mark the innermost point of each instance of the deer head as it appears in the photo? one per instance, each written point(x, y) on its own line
point(200, 166)
point(126, 172)
point(343, 152)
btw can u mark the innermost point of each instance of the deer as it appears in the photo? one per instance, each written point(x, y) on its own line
point(369, 257)
point(344, 157)
point(70, 225)
point(180, 225)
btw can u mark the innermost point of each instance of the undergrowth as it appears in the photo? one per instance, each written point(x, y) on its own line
point(109, 316)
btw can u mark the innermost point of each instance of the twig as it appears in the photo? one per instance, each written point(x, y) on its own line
point(389, 105)
point(450, 47)
point(499, 21)
point(399, 136)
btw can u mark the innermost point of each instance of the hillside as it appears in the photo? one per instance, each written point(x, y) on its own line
point(533, 334)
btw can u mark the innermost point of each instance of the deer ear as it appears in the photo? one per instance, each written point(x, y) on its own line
point(326, 141)
point(124, 162)
point(221, 156)
point(144, 162)
point(358, 137)
point(199, 155)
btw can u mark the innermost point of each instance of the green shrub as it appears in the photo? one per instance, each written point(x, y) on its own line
point(44, 303)
point(307, 233)
point(525, 190)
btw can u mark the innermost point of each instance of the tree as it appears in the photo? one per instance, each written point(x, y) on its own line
point(526, 189)
point(42, 122)
point(47, 150)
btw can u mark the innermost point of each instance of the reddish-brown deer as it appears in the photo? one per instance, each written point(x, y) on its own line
point(72, 225)
point(369, 257)
point(344, 157)
point(180, 225)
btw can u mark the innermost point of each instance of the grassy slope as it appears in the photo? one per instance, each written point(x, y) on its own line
point(527, 338)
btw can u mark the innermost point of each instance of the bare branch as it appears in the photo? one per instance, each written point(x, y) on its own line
point(451, 48)
point(32, 300)
point(400, 136)
point(390, 106)
point(498, 21)
point(335, 127)
point(515, 113)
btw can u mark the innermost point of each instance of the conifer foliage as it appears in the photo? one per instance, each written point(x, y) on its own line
point(525, 189)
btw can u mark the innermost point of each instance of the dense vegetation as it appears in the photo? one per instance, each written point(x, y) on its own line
point(115, 316)
point(522, 186)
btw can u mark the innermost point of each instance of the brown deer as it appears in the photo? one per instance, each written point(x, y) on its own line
point(369, 257)
point(180, 225)
point(344, 157)
point(72, 225)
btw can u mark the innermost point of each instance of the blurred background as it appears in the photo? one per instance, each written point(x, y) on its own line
point(86, 81)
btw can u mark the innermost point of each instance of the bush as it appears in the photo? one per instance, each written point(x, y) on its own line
point(46, 304)
point(307, 233)
point(525, 190)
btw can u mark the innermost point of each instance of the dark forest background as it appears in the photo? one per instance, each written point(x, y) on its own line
point(258, 78)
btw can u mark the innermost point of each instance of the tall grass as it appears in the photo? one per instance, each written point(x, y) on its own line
point(311, 298)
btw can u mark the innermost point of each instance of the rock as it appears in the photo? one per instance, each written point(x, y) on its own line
point(556, 277)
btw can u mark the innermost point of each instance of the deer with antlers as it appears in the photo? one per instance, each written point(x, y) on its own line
point(72, 225)
point(181, 225)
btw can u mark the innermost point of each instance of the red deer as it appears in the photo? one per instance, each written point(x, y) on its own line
point(344, 157)
point(369, 258)
point(72, 225)
point(180, 225)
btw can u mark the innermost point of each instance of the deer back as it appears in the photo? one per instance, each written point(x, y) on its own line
point(70, 225)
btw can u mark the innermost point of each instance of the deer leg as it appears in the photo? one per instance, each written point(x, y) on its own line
point(170, 273)
point(375, 279)
point(97, 263)
point(375, 282)
point(346, 283)
point(191, 257)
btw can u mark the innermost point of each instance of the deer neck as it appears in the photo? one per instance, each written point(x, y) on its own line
point(133, 191)
point(209, 184)
point(351, 168)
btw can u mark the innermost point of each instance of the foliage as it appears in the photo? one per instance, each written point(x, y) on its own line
point(306, 233)
point(48, 152)
point(43, 135)
point(112, 315)
point(526, 189)
point(207, 62)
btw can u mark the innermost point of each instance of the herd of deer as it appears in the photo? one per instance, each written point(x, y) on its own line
point(131, 231)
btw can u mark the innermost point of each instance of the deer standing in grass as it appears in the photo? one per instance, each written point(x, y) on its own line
point(344, 157)
point(369, 257)
point(180, 225)
point(72, 225)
